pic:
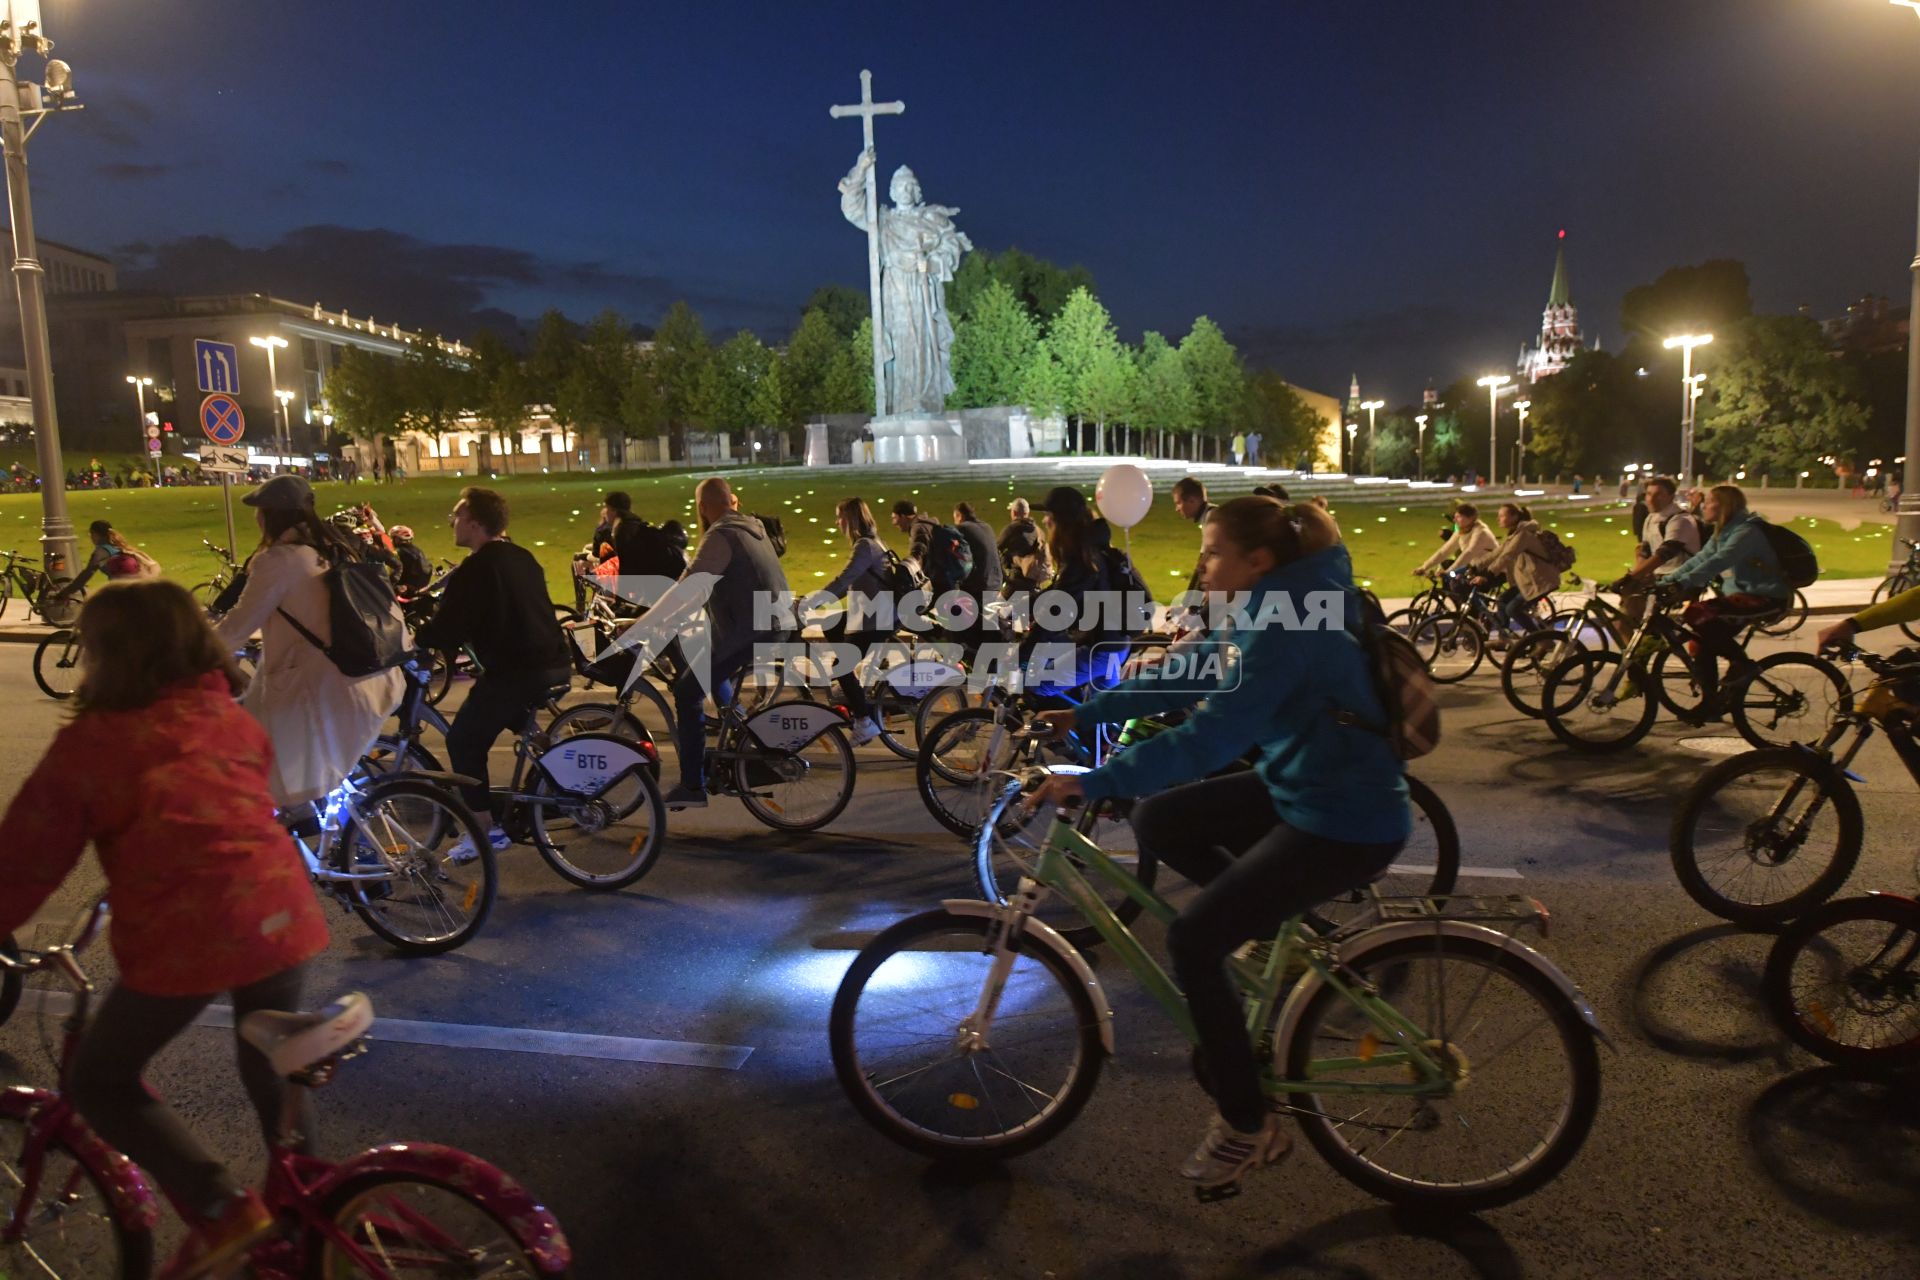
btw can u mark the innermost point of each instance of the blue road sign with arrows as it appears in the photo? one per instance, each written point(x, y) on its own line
point(218, 365)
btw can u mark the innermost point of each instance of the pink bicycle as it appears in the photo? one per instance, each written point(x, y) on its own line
point(72, 1207)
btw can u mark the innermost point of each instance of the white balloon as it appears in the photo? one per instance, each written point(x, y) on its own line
point(1124, 495)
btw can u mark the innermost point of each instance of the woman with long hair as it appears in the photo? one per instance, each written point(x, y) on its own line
point(1077, 544)
point(864, 573)
point(168, 780)
point(1522, 558)
point(112, 555)
point(1742, 558)
point(321, 721)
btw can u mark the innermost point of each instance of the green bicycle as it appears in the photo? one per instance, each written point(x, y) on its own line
point(1431, 1060)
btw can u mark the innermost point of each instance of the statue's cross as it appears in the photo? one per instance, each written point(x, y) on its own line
point(867, 109)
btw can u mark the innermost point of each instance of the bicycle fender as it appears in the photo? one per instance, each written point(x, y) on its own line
point(500, 1194)
point(789, 726)
point(587, 762)
point(133, 1199)
point(1369, 940)
point(1047, 936)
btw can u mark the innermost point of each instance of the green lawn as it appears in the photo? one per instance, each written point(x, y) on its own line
point(554, 516)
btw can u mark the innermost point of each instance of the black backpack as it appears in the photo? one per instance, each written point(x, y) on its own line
point(776, 535)
point(1559, 554)
point(1402, 682)
point(416, 571)
point(1122, 576)
point(368, 635)
point(1798, 565)
point(949, 556)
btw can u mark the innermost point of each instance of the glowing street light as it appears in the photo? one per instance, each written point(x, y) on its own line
point(1353, 429)
point(1520, 445)
point(1420, 420)
point(1370, 406)
point(1689, 392)
point(140, 386)
point(269, 344)
point(1493, 382)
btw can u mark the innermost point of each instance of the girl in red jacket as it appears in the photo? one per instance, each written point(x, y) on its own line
point(167, 777)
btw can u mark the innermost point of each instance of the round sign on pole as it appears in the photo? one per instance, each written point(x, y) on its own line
point(153, 433)
point(221, 419)
point(153, 446)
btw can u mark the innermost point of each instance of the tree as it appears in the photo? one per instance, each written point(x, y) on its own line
point(363, 394)
point(1219, 382)
point(809, 365)
point(678, 364)
point(842, 306)
point(435, 388)
point(591, 391)
point(1043, 387)
point(730, 380)
point(1588, 419)
point(1080, 338)
point(1108, 389)
point(849, 384)
point(556, 343)
point(1777, 401)
point(1164, 398)
point(1041, 286)
point(770, 405)
point(993, 344)
point(500, 394)
point(1288, 425)
point(1711, 296)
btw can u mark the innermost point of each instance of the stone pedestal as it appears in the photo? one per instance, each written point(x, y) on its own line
point(917, 438)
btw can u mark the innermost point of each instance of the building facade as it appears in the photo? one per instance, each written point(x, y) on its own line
point(1559, 339)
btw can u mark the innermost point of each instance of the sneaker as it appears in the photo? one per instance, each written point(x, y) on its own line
point(1225, 1154)
point(217, 1245)
point(685, 797)
point(466, 850)
point(864, 731)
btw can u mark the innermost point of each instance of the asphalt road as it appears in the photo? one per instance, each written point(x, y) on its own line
point(1720, 1151)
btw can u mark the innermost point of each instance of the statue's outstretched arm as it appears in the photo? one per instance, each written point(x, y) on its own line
point(853, 190)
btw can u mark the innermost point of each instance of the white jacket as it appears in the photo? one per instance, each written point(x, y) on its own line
point(320, 721)
point(1470, 547)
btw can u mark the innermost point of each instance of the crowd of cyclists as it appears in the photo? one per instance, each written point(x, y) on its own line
point(193, 837)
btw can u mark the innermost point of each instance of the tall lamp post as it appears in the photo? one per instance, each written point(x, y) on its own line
point(269, 344)
point(140, 386)
point(1353, 429)
point(20, 33)
point(1420, 421)
point(1493, 382)
point(1687, 342)
point(286, 402)
point(1371, 406)
point(1520, 445)
point(1907, 523)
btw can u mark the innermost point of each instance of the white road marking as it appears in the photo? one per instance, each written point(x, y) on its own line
point(1487, 873)
point(453, 1035)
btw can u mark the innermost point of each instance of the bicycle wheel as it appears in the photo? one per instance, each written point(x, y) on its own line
point(1787, 698)
point(914, 1066)
point(441, 664)
point(1452, 646)
point(421, 1227)
point(597, 717)
point(1590, 711)
point(72, 1232)
point(56, 665)
point(799, 790)
point(1429, 865)
point(1843, 982)
point(1762, 837)
point(61, 612)
point(605, 842)
point(1523, 672)
point(383, 758)
point(999, 862)
point(1677, 685)
point(1404, 621)
point(937, 705)
point(408, 827)
point(1524, 1076)
point(1790, 621)
point(1893, 586)
point(959, 764)
point(896, 716)
point(205, 592)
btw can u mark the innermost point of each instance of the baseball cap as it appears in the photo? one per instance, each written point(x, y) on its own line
point(1064, 500)
point(282, 493)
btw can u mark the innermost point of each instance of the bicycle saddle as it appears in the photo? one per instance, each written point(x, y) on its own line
point(295, 1041)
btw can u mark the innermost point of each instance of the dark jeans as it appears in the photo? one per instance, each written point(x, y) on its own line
point(1516, 611)
point(498, 703)
point(835, 631)
point(1718, 623)
point(690, 713)
point(1223, 834)
point(126, 1033)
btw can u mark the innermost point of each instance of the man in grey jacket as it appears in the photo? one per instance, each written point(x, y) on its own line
point(735, 550)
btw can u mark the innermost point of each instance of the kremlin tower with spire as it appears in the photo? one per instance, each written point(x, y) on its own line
point(1559, 327)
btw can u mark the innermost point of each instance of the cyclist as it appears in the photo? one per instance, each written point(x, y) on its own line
point(496, 603)
point(1078, 543)
point(1324, 808)
point(112, 555)
point(1471, 545)
point(749, 586)
point(865, 573)
point(1522, 559)
point(1669, 537)
point(1742, 558)
point(321, 721)
point(208, 893)
point(1023, 553)
point(1904, 607)
point(1190, 500)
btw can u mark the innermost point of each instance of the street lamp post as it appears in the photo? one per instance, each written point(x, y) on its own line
point(269, 344)
point(140, 386)
point(1687, 342)
point(1353, 429)
point(1420, 421)
point(1907, 523)
point(17, 100)
point(1493, 382)
point(1520, 444)
point(1371, 406)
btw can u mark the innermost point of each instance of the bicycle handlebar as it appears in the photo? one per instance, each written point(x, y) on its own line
point(88, 928)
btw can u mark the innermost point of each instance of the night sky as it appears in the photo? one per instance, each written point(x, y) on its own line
point(1342, 185)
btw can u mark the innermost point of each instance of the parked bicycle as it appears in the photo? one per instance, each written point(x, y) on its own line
point(39, 589)
point(72, 1208)
point(1843, 981)
point(226, 570)
point(976, 1032)
point(1905, 578)
point(1766, 836)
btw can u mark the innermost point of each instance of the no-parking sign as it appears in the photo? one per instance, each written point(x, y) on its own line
point(221, 419)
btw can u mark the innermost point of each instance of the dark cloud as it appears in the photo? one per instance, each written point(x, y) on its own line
point(117, 118)
point(128, 171)
point(393, 276)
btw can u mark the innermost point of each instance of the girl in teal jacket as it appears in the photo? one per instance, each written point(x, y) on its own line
point(1324, 808)
point(1741, 557)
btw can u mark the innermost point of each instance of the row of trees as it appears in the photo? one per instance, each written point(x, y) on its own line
point(1026, 332)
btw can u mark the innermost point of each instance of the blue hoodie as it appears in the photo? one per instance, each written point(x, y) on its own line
point(1282, 693)
point(1740, 555)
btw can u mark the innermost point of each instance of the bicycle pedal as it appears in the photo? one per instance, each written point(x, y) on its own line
point(1215, 1194)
